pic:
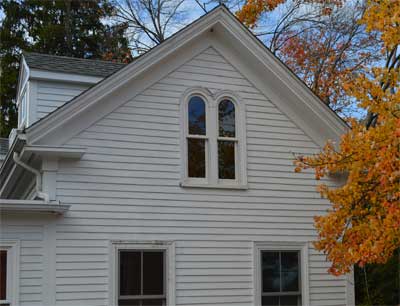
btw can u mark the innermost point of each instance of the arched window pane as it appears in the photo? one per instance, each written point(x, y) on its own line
point(197, 116)
point(226, 116)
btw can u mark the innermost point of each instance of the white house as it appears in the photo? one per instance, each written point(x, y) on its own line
point(168, 181)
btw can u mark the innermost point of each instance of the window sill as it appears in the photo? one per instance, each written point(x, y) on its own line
point(213, 186)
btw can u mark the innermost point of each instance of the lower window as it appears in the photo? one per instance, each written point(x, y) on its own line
point(9, 254)
point(3, 275)
point(280, 278)
point(141, 277)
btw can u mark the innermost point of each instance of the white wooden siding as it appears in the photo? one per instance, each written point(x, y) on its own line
point(30, 235)
point(126, 187)
point(51, 95)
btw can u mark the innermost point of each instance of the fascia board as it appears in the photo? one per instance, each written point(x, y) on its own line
point(44, 75)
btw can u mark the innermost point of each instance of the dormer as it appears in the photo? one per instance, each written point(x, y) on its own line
point(47, 82)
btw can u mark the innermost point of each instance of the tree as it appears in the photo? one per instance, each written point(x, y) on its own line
point(320, 48)
point(363, 225)
point(70, 27)
point(150, 22)
point(328, 50)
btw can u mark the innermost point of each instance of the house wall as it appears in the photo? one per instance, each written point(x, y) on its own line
point(126, 187)
point(51, 95)
point(30, 232)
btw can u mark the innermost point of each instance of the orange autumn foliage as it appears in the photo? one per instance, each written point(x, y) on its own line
point(363, 224)
point(252, 9)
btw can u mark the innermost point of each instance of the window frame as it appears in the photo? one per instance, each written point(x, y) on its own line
point(168, 247)
point(212, 102)
point(301, 247)
point(206, 137)
point(23, 108)
point(12, 286)
point(237, 141)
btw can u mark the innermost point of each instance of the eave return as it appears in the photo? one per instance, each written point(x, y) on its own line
point(32, 206)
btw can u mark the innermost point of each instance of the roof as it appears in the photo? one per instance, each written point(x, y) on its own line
point(72, 65)
point(270, 74)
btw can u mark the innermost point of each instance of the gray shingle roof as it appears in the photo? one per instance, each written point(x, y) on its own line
point(71, 64)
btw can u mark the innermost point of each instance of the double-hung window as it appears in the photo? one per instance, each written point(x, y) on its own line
point(281, 277)
point(213, 141)
point(197, 138)
point(281, 284)
point(227, 141)
point(142, 274)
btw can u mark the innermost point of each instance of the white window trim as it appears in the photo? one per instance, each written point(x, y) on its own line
point(167, 246)
point(302, 247)
point(22, 105)
point(12, 289)
point(212, 102)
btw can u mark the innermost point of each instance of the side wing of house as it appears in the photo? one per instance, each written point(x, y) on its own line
point(185, 193)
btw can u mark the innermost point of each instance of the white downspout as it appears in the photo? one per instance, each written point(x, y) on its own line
point(38, 175)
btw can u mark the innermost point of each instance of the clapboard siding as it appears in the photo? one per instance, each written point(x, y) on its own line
point(126, 187)
point(31, 244)
point(51, 95)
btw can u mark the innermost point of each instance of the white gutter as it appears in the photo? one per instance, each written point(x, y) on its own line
point(38, 175)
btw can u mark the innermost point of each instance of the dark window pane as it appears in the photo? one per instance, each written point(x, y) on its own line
point(122, 302)
point(290, 300)
point(270, 301)
point(270, 272)
point(153, 302)
point(3, 275)
point(290, 271)
point(129, 273)
point(197, 116)
point(226, 116)
point(226, 160)
point(196, 157)
point(153, 273)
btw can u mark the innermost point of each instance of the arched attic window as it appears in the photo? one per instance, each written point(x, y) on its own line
point(213, 139)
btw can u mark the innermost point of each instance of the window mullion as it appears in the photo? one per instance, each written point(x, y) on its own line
point(212, 132)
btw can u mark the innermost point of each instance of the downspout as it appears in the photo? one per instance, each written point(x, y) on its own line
point(42, 195)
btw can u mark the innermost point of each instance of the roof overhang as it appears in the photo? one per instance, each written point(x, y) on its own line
point(10, 172)
point(223, 31)
point(32, 206)
point(49, 151)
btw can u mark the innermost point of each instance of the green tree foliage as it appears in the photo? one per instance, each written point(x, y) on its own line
point(70, 27)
